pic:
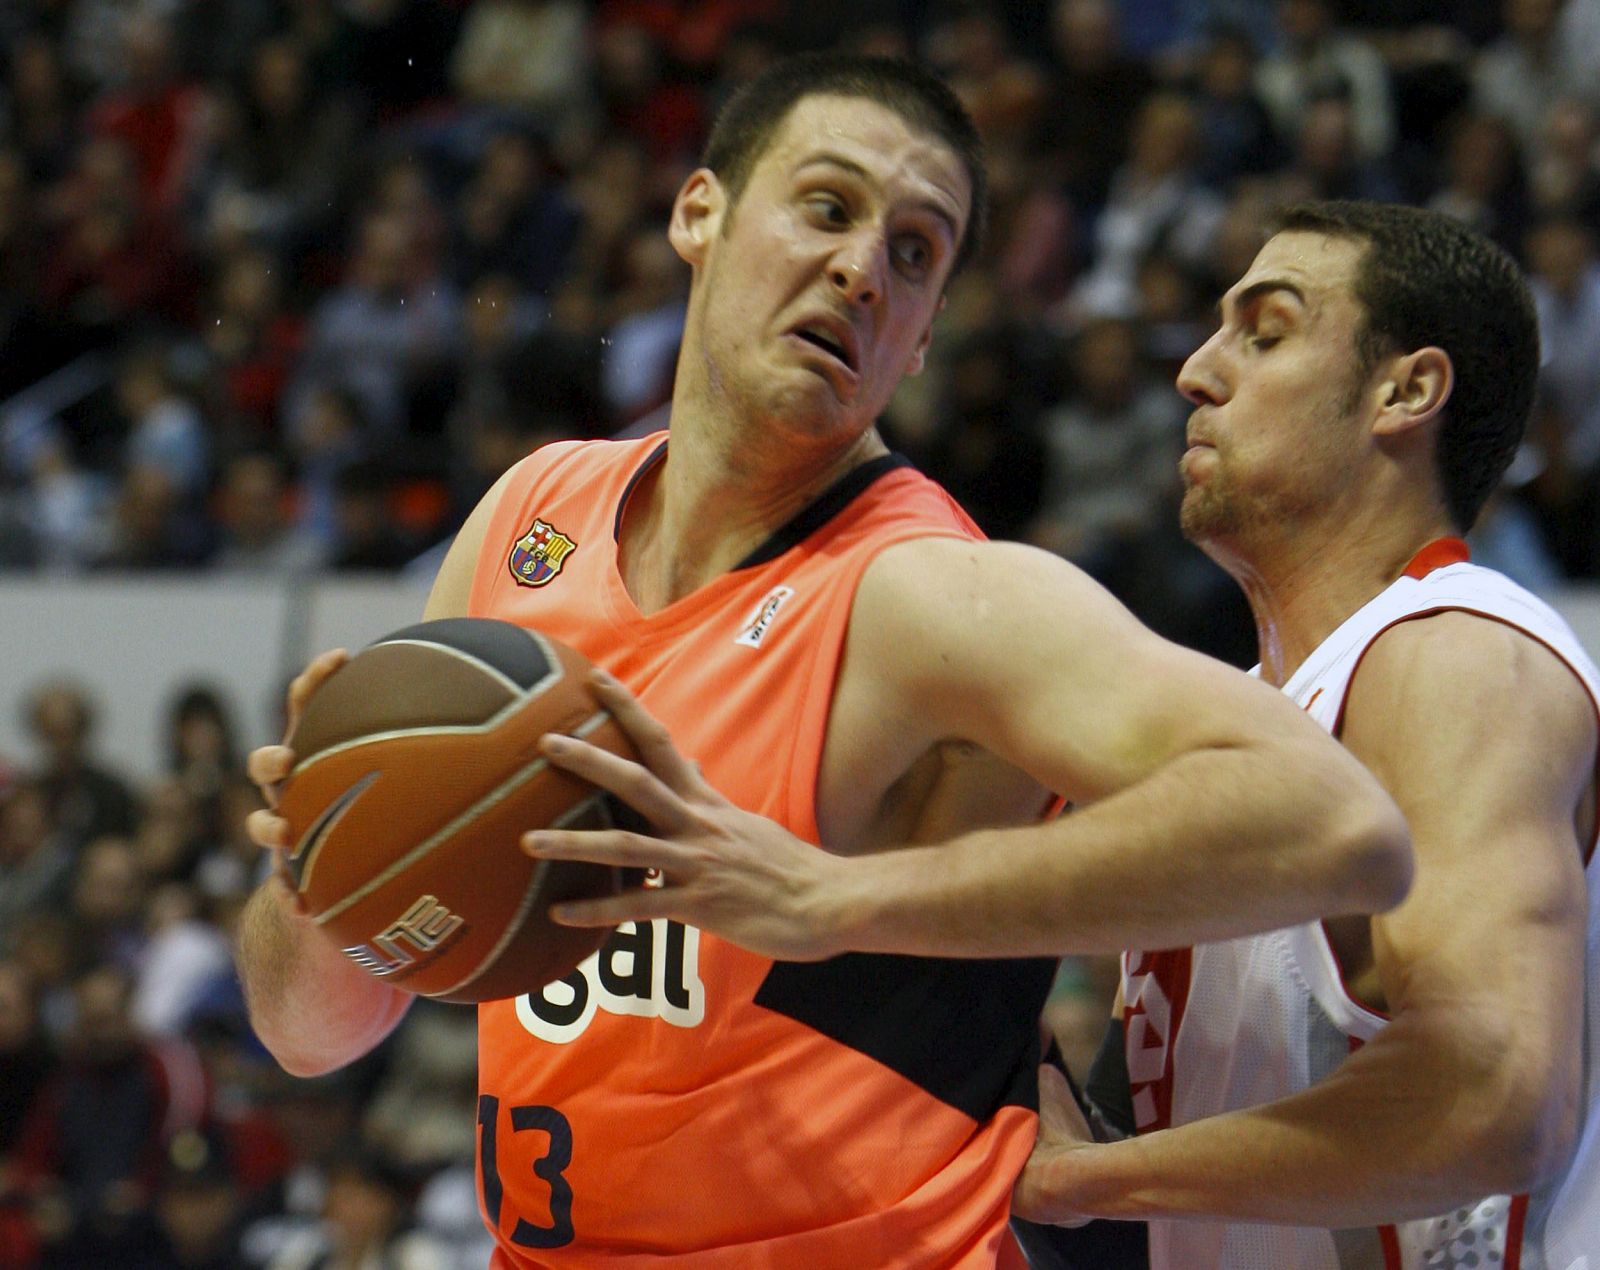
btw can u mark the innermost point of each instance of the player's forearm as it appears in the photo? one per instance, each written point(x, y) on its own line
point(1216, 844)
point(313, 1009)
point(1410, 1126)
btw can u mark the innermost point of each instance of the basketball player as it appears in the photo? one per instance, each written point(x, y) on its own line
point(828, 638)
point(1362, 1085)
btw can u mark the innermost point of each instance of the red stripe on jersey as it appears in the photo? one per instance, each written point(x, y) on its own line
point(1152, 1016)
point(1391, 1248)
point(1514, 1223)
point(1437, 554)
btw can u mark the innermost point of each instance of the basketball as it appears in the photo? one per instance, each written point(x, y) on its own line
point(417, 770)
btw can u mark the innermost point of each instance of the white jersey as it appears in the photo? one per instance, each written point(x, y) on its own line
point(1242, 1022)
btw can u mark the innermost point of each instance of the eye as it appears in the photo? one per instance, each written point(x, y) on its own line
point(913, 254)
point(1260, 342)
point(827, 208)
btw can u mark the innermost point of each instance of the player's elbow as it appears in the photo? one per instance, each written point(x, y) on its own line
point(1532, 1139)
point(1517, 1120)
point(1370, 856)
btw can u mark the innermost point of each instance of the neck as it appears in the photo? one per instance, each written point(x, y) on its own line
point(1302, 586)
point(717, 496)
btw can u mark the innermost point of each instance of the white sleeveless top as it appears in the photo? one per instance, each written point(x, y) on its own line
point(1244, 1021)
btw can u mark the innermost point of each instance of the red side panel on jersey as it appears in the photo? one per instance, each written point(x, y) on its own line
point(1157, 993)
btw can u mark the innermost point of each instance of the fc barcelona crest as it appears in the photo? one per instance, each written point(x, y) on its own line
point(539, 554)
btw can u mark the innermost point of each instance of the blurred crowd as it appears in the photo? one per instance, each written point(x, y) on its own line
point(141, 1124)
point(284, 284)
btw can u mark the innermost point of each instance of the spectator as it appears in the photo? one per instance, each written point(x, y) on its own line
point(283, 162)
point(171, 831)
point(161, 119)
point(1484, 186)
point(1319, 60)
point(150, 527)
point(1565, 281)
point(366, 536)
point(1113, 449)
point(251, 342)
point(529, 58)
point(112, 264)
point(36, 857)
point(106, 904)
point(202, 752)
point(1565, 175)
point(92, 1144)
point(165, 431)
point(199, 1207)
point(1328, 164)
point(1236, 133)
point(1156, 201)
point(380, 332)
point(982, 449)
point(26, 1057)
point(1095, 92)
point(42, 121)
point(512, 219)
point(259, 535)
point(644, 328)
point(364, 1222)
point(183, 958)
point(1522, 75)
point(85, 799)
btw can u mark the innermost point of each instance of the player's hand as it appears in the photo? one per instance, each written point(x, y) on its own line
point(722, 869)
point(269, 765)
point(1044, 1192)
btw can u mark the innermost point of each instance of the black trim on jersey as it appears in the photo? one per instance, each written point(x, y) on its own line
point(966, 1032)
point(656, 455)
point(822, 509)
point(798, 527)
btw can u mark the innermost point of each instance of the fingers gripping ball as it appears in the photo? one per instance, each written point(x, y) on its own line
point(417, 770)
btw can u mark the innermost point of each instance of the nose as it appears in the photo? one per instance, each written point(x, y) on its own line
point(1199, 380)
point(856, 268)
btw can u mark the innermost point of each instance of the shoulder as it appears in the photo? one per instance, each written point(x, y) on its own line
point(1468, 683)
point(1459, 654)
point(980, 595)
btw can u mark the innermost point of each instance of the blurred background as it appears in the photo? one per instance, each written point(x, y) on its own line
point(284, 285)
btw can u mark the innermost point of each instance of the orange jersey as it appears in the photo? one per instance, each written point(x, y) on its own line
point(676, 1096)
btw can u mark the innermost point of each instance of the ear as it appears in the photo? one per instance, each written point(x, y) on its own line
point(1414, 391)
point(919, 354)
point(697, 215)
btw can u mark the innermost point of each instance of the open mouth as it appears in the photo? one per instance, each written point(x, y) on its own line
point(829, 342)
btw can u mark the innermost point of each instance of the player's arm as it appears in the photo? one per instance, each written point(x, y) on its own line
point(313, 1008)
point(1488, 744)
point(1208, 805)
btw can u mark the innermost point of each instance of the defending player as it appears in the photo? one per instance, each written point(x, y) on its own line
point(1367, 387)
point(828, 638)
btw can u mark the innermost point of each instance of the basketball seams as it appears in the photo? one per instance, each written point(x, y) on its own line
point(501, 792)
point(322, 829)
point(514, 926)
point(489, 668)
point(519, 698)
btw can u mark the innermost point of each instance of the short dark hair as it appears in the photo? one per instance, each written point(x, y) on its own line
point(1425, 279)
point(746, 123)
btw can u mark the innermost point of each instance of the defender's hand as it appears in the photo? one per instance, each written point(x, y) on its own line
point(1044, 1191)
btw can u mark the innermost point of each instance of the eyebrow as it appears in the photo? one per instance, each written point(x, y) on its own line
point(828, 158)
point(1267, 286)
